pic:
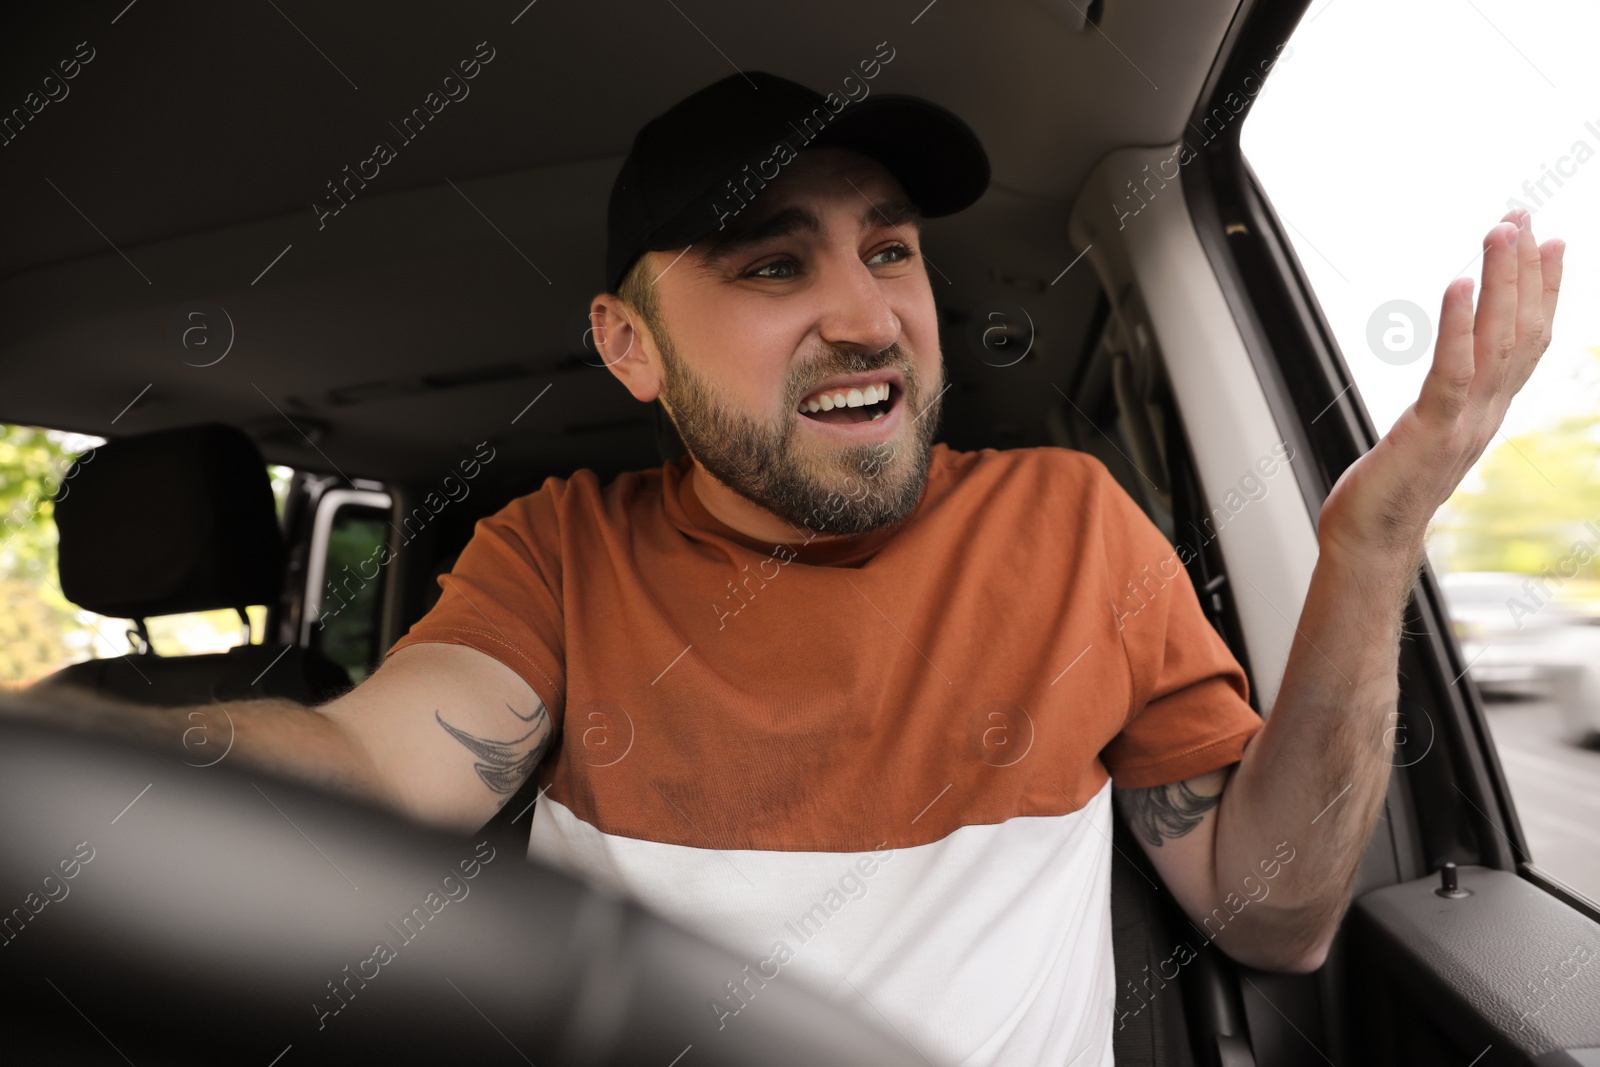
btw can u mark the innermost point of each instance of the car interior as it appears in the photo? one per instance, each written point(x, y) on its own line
point(442, 319)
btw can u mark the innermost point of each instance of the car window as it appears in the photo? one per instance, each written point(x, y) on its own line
point(344, 582)
point(1389, 142)
point(40, 630)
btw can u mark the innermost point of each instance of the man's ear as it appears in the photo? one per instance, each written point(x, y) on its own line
point(625, 345)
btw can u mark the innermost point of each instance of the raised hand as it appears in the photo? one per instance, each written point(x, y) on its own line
point(1380, 508)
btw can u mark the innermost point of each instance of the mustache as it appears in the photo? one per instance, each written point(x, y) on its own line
point(836, 361)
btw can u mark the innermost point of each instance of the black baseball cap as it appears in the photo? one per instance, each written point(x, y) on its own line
point(698, 164)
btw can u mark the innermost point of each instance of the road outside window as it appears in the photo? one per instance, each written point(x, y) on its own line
point(1397, 136)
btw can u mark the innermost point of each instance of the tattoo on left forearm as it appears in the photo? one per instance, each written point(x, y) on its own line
point(1165, 811)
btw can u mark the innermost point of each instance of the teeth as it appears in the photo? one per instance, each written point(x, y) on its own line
point(848, 398)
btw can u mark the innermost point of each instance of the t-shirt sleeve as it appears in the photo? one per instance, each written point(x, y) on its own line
point(1189, 711)
point(503, 597)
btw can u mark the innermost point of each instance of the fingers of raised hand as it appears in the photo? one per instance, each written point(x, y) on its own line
point(1538, 284)
point(1484, 356)
point(1532, 329)
point(1496, 327)
point(1450, 376)
point(1551, 256)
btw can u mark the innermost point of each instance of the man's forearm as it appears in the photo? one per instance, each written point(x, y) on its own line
point(276, 735)
point(1313, 779)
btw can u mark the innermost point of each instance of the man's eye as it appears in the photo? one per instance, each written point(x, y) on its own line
point(901, 254)
point(786, 264)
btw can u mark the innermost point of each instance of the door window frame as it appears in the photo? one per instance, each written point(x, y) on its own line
point(1316, 401)
point(327, 508)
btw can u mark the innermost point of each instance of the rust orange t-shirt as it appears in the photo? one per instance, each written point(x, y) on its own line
point(745, 727)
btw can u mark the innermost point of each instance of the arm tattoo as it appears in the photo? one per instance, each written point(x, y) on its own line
point(502, 768)
point(1165, 810)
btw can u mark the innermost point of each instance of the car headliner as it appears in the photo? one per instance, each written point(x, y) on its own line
point(453, 290)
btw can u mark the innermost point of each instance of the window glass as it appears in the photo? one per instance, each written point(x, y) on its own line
point(351, 605)
point(40, 630)
point(1389, 141)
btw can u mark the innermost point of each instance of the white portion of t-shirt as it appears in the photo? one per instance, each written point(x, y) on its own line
point(988, 948)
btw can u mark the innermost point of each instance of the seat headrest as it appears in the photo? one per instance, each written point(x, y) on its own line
point(167, 522)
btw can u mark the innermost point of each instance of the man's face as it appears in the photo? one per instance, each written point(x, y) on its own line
point(754, 328)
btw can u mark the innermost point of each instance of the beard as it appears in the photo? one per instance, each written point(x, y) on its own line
point(827, 488)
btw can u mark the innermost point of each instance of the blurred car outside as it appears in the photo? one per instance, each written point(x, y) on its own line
point(1521, 638)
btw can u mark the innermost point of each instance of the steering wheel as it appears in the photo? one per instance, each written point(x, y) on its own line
point(154, 909)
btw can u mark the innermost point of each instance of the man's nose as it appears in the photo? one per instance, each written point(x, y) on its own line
point(855, 311)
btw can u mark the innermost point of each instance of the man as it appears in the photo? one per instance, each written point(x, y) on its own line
point(855, 704)
point(847, 701)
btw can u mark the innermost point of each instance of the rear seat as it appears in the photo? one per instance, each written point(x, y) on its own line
point(178, 521)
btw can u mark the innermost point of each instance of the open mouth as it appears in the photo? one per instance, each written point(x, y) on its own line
point(851, 405)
